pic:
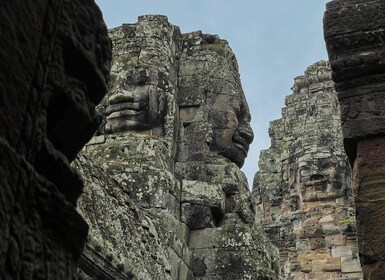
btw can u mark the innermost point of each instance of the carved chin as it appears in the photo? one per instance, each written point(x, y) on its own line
point(320, 196)
point(235, 153)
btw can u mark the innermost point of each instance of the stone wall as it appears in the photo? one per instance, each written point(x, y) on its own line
point(164, 196)
point(302, 191)
point(354, 35)
point(55, 60)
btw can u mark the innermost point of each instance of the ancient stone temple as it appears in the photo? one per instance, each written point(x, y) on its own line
point(164, 195)
point(354, 35)
point(302, 191)
point(54, 66)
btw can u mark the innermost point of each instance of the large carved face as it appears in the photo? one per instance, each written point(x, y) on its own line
point(321, 179)
point(230, 118)
point(209, 72)
point(135, 103)
point(229, 113)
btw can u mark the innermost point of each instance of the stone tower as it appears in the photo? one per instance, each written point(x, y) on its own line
point(302, 191)
point(164, 196)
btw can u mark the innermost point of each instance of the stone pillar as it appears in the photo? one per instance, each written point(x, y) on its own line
point(354, 35)
point(54, 66)
point(302, 191)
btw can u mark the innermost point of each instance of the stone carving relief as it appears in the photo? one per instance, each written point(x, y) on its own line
point(318, 178)
point(135, 103)
point(212, 86)
point(176, 132)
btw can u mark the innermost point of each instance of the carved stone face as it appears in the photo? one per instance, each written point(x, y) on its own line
point(210, 71)
point(230, 117)
point(135, 103)
point(321, 180)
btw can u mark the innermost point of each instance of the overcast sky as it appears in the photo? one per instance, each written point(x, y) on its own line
point(274, 41)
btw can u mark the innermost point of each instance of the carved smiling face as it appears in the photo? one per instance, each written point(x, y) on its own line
point(320, 180)
point(210, 80)
point(228, 110)
point(135, 103)
point(230, 118)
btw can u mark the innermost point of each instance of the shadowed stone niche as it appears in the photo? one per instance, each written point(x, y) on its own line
point(54, 65)
point(164, 196)
point(302, 190)
point(354, 35)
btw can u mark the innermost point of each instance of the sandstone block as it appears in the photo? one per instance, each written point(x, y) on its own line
point(317, 243)
point(342, 251)
point(335, 240)
point(198, 192)
point(302, 245)
point(350, 264)
point(197, 216)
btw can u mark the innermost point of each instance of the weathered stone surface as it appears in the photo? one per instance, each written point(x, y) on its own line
point(354, 32)
point(232, 250)
point(302, 191)
point(54, 64)
point(176, 132)
point(119, 231)
point(135, 214)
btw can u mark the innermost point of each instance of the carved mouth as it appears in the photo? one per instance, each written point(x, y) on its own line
point(316, 180)
point(241, 143)
point(125, 109)
point(123, 113)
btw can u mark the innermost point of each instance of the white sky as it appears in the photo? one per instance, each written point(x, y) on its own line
point(274, 41)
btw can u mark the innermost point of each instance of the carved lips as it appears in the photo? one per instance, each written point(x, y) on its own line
point(128, 109)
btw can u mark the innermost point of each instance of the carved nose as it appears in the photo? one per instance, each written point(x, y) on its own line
point(246, 133)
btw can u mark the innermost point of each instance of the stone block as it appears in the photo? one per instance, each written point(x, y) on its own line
point(326, 219)
point(331, 229)
point(306, 258)
point(197, 216)
point(303, 245)
point(332, 264)
point(350, 264)
point(353, 276)
point(189, 114)
point(204, 238)
point(221, 262)
point(317, 243)
point(198, 192)
point(311, 228)
point(335, 240)
point(321, 275)
point(342, 251)
point(318, 265)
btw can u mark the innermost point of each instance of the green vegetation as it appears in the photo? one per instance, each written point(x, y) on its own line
point(348, 220)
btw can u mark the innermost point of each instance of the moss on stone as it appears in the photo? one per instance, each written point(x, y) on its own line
point(219, 48)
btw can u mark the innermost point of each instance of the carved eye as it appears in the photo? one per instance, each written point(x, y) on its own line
point(142, 80)
point(127, 81)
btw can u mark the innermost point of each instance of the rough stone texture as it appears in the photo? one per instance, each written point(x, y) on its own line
point(176, 133)
point(354, 35)
point(302, 191)
point(135, 154)
point(55, 59)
